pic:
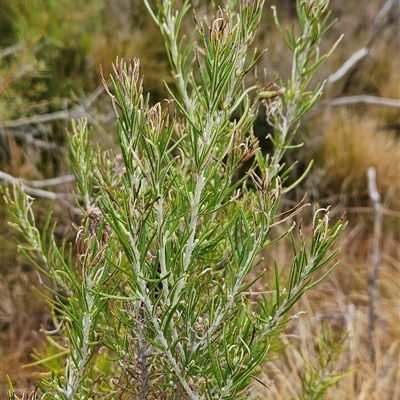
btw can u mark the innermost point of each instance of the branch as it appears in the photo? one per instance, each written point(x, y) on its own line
point(75, 112)
point(386, 11)
point(348, 64)
point(44, 194)
point(376, 254)
point(376, 30)
point(53, 181)
point(29, 137)
point(364, 98)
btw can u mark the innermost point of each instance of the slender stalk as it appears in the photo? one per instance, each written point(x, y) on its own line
point(376, 256)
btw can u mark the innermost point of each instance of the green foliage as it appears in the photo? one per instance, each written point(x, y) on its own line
point(156, 302)
point(317, 381)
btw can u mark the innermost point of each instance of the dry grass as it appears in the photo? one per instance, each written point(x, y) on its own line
point(348, 146)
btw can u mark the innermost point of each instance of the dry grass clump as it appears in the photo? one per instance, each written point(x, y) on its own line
point(348, 146)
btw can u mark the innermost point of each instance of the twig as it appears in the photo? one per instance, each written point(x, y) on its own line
point(52, 181)
point(75, 112)
point(376, 30)
point(37, 143)
point(38, 119)
point(381, 101)
point(29, 136)
point(376, 255)
point(39, 192)
point(348, 64)
point(378, 25)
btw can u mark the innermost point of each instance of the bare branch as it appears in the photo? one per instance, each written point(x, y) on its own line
point(75, 112)
point(28, 135)
point(38, 119)
point(374, 100)
point(44, 194)
point(348, 64)
point(52, 181)
point(379, 22)
point(376, 254)
point(376, 30)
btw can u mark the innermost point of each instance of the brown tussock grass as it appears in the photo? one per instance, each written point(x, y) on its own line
point(349, 145)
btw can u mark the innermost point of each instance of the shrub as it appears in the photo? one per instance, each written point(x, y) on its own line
point(153, 301)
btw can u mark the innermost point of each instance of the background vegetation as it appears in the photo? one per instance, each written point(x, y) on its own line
point(51, 52)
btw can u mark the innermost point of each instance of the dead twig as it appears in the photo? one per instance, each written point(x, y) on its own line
point(376, 30)
point(374, 100)
point(44, 194)
point(376, 255)
point(348, 64)
point(76, 112)
point(52, 181)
